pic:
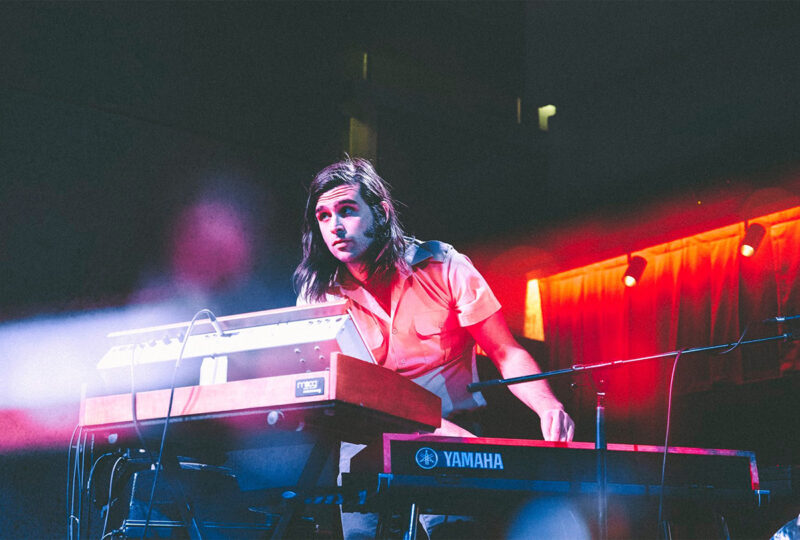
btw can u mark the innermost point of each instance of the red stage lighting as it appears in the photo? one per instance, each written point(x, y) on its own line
point(752, 239)
point(635, 270)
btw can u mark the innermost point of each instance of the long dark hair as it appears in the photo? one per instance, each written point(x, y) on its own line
point(317, 272)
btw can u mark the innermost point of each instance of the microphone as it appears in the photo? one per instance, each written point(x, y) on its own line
point(783, 319)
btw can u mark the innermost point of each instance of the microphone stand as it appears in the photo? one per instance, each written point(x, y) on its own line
point(600, 431)
point(601, 446)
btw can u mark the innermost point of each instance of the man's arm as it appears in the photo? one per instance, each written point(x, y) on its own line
point(494, 337)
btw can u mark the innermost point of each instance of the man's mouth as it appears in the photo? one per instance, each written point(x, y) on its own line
point(340, 241)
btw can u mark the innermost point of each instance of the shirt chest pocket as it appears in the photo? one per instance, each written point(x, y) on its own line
point(437, 331)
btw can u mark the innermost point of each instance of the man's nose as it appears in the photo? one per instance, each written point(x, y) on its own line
point(338, 227)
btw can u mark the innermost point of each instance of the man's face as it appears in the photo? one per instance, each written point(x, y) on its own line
point(346, 224)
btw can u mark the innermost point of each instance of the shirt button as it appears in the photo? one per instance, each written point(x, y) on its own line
point(394, 330)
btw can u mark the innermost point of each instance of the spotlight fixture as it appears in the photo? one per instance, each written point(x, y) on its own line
point(752, 239)
point(635, 270)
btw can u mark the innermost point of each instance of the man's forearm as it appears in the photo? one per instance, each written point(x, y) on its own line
point(516, 362)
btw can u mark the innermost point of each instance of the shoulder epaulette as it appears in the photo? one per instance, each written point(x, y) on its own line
point(418, 251)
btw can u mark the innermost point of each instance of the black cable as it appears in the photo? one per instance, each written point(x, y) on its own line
point(134, 414)
point(81, 471)
point(669, 416)
point(666, 436)
point(76, 485)
point(736, 345)
point(81, 474)
point(91, 471)
point(88, 504)
point(72, 474)
point(110, 490)
point(70, 493)
point(184, 341)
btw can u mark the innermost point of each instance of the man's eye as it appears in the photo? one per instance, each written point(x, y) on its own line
point(322, 216)
point(348, 211)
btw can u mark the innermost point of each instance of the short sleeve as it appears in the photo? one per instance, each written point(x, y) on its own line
point(474, 300)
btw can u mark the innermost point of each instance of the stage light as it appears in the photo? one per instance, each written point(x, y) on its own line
point(752, 239)
point(635, 270)
point(544, 116)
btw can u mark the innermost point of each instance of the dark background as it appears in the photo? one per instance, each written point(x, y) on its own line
point(112, 115)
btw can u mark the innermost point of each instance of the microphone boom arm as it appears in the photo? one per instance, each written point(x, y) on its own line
point(581, 368)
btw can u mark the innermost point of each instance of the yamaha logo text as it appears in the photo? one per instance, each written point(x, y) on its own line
point(427, 459)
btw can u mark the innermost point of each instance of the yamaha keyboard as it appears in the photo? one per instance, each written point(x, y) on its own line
point(451, 475)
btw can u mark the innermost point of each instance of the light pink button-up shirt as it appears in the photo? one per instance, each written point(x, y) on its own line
point(424, 336)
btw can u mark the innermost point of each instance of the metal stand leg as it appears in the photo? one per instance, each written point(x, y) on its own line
point(338, 532)
point(294, 501)
point(601, 447)
point(413, 519)
point(171, 470)
point(665, 530)
point(722, 526)
point(381, 529)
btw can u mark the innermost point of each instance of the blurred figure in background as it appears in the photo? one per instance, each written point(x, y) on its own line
point(215, 255)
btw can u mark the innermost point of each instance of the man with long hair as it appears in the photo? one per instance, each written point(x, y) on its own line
point(420, 306)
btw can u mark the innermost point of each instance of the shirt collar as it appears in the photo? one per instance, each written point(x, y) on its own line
point(418, 252)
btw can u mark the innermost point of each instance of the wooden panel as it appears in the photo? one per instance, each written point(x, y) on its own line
point(350, 381)
point(196, 400)
point(374, 387)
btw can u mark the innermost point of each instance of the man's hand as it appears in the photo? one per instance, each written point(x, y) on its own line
point(449, 429)
point(557, 426)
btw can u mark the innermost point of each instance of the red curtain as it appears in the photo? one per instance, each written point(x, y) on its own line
point(695, 292)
